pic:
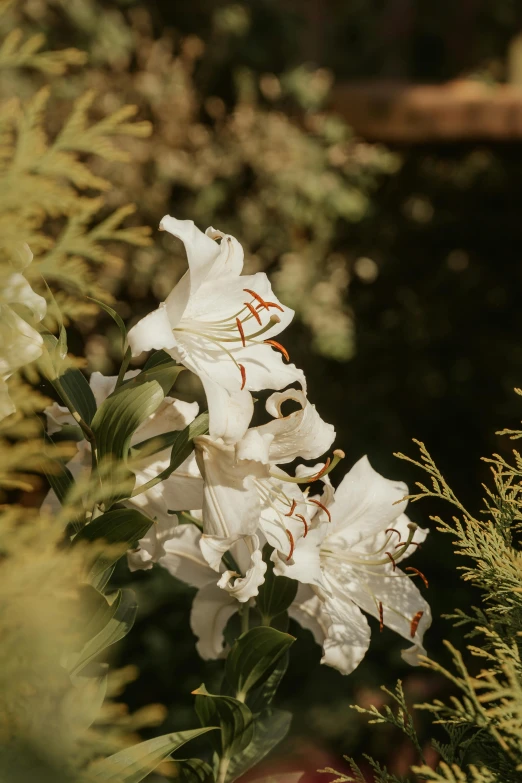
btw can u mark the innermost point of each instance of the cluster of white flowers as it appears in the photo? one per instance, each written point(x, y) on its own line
point(342, 546)
point(20, 343)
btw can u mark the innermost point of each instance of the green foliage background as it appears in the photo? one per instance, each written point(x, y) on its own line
point(422, 341)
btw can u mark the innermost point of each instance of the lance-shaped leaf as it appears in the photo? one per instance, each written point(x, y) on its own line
point(120, 620)
point(134, 764)
point(253, 657)
point(115, 317)
point(120, 528)
point(69, 382)
point(269, 729)
point(234, 717)
point(260, 697)
point(276, 593)
point(120, 415)
point(194, 771)
point(182, 442)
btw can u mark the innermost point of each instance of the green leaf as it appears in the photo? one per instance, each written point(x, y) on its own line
point(234, 717)
point(194, 771)
point(181, 441)
point(120, 415)
point(269, 729)
point(181, 449)
point(253, 657)
point(261, 697)
point(157, 358)
point(134, 764)
point(68, 379)
point(61, 480)
point(115, 317)
point(120, 620)
point(120, 528)
point(276, 593)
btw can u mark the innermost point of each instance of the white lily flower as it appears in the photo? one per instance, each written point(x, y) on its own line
point(348, 563)
point(246, 492)
point(182, 490)
point(212, 606)
point(221, 326)
point(20, 343)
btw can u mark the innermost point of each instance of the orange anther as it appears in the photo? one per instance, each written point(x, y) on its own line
point(322, 507)
point(241, 332)
point(415, 623)
point(292, 544)
point(391, 559)
point(322, 471)
point(256, 297)
point(254, 312)
point(418, 573)
point(243, 376)
point(290, 513)
point(278, 347)
point(305, 523)
point(381, 617)
point(393, 530)
point(274, 304)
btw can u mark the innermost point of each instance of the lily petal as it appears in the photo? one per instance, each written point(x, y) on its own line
point(151, 546)
point(154, 331)
point(16, 290)
point(341, 629)
point(365, 503)
point(300, 434)
point(212, 608)
point(242, 588)
point(183, 557)
point(230, 500)
point(230, 412)
point(305, 564)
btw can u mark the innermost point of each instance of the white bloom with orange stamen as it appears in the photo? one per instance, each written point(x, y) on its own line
point(221, 326)
point(348, 563)
point(246, 492)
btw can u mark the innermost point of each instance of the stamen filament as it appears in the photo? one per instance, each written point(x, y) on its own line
point(338, 455)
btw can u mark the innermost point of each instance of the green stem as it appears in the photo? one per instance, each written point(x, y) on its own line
point(223, 769)
point(124, 367)
point(89, 434)
point(245, 618)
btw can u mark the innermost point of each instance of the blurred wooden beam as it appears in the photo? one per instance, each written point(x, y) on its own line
point(402, 113)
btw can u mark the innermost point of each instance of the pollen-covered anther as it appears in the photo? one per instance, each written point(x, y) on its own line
point(292, 544)
point(418, 573)
point(273, 304)
point(278, 347)
point(254, 312)
point(415, 623)
point(381, 617)
point(259, 299)
point(392, 560)
point(241, 332)
point(393, 530)
point(323, 470)
point(243, 376)
point(305, 523)
point(292, 509)
point(322, 507)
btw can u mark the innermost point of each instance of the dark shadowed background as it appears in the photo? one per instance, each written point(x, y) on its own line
point(368, 154)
